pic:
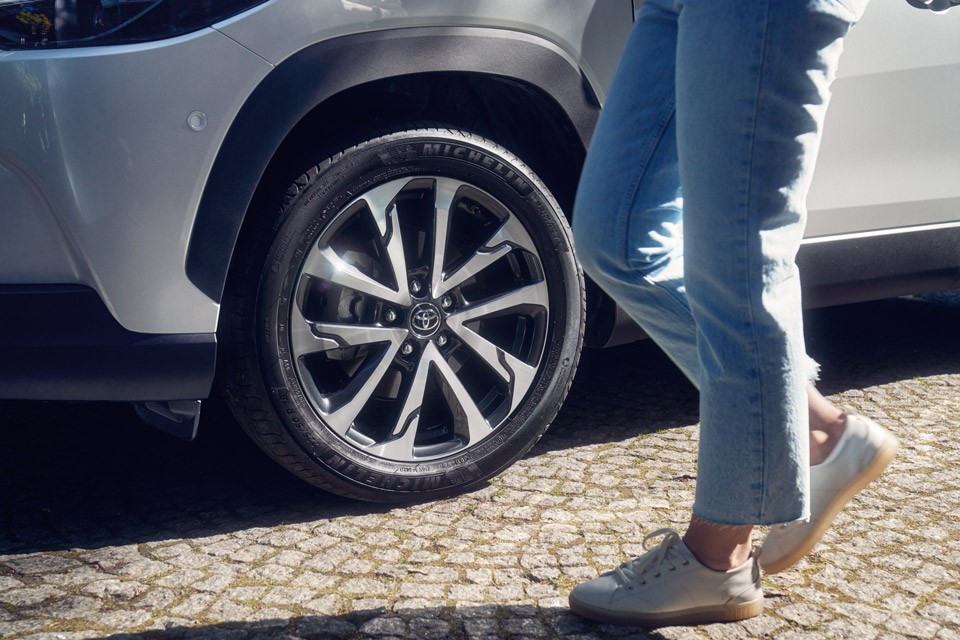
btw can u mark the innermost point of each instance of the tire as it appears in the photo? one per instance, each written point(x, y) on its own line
point(377, 364)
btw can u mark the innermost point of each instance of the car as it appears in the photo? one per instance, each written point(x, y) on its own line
point(351, 217)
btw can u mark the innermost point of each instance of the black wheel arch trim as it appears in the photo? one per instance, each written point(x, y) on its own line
point(284, 98)
point(60, 342)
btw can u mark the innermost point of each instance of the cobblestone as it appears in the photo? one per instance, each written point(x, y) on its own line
point(110, 530)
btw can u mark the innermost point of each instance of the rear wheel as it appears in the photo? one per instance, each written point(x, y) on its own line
point(410, 322)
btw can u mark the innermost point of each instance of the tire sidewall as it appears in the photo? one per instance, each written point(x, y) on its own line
point(331, 187)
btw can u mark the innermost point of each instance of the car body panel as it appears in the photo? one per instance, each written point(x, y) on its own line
point(890, 156)
point(117, 199)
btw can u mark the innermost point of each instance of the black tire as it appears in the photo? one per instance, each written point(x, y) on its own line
point(389, 386)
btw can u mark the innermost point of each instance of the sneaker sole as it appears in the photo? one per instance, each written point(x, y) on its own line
point(870, 473)
point(696, 615)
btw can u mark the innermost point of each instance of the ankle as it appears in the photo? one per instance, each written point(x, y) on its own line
point(717, 546)
point(824, 437)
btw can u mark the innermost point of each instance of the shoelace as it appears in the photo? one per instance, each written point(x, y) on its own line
point(665, 554)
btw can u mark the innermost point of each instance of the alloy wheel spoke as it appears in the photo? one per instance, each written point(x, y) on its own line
point(511, 231)
point(533, 294)
point(303, 340)
point(445, 192)
point(380, 202)
point(361, 389)
point(464, 407)
point(399, 446)
point(517, 374)
point(311, 337)
point(509, 236)
point(308, 337)
point(327, 265)
point(479, 261)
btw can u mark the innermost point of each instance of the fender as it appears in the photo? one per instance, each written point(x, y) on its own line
point(312, 75)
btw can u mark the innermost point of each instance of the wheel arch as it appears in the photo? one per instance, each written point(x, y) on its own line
point(530, 89)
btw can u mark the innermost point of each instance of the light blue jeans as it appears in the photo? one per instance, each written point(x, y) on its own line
point(727, 98)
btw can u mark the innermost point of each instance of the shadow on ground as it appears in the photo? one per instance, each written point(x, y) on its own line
point(90, 476)
point(881, 342)
point(488, 621)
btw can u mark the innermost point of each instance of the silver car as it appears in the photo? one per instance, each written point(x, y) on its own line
point(351, 216)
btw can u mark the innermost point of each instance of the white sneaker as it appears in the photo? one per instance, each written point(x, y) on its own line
point(863, 451)
point(668, 586)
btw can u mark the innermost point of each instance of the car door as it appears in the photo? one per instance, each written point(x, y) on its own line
point(885, 200)
point(891, 150)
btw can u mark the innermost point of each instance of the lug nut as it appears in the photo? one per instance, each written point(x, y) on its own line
point(406, 349)
point(446, 302)
point(441, 340)
point(390, 315)
point(415, 286)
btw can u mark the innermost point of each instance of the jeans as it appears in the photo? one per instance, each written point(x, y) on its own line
point(727, 99)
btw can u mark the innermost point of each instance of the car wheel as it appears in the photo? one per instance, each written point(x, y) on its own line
point(409, 323)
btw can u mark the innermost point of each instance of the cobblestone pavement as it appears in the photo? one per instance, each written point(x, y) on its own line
point(108, 529)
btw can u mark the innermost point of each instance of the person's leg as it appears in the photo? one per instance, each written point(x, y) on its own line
point(724, 547)
point(627, 222)
point(627, 229)
point(746, 159)
point(826, 425)
point(628, 218)
point(752, 90)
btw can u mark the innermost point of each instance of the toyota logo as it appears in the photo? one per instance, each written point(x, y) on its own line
point(425, 319)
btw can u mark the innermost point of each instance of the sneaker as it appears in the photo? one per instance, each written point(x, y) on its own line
point(863, 451)
point(668, 586)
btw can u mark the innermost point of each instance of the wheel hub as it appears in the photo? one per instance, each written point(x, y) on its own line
point(425, 320)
